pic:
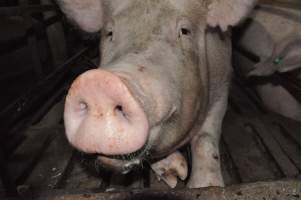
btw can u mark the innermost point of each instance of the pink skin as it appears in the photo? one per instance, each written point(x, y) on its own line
point(102, 116)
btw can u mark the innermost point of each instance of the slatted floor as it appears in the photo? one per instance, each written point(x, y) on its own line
point(256, 146)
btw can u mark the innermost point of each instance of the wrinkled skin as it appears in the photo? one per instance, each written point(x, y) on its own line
point(163, 82)
point(279, 52)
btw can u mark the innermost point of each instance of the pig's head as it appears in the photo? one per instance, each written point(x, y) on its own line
point(152, 83)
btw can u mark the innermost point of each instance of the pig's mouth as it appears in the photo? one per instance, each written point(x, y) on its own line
point(124, 163)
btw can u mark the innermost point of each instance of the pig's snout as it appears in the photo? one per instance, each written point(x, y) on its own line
point(102, 116)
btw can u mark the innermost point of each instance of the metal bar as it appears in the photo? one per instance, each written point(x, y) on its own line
point(292, 4)
point(55, 83)
point(12, 45)
point(20, 10)
point(9, 185)
point(284, 190)
point(32, 42)
point(34, 99)
point(35, 55)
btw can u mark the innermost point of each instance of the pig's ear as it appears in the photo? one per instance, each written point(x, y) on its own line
point(88, 14)
point(286, 57)
point(225, 13)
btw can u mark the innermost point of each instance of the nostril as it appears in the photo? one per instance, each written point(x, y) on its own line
point(119, 109)
point(83, 106)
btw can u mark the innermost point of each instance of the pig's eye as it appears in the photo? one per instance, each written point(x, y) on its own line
point(185, 31)
point(109, 35)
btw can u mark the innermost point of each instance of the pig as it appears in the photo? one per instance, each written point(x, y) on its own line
point(273, 35)
point(162, 83)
